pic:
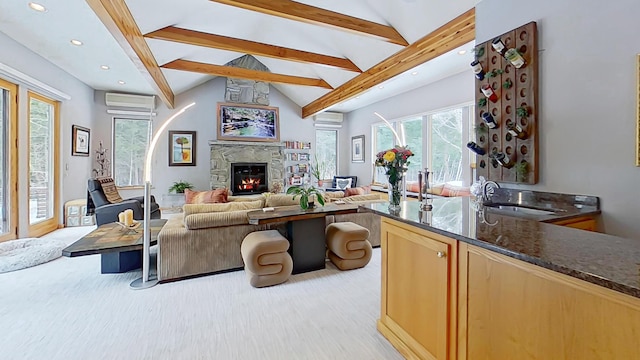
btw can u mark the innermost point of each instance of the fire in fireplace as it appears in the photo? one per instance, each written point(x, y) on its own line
point(249, 178)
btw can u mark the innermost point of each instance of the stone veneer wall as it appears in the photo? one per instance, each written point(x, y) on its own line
point(223, 153)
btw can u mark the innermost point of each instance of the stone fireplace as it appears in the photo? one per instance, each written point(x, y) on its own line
point(226, 153)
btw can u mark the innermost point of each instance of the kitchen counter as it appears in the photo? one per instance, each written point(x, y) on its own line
point(604, 260)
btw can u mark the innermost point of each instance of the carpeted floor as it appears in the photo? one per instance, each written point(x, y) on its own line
point(66, 309)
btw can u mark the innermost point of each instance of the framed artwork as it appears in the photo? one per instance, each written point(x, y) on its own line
point(80, 138)
point(182, 148)
point(357, 148)
point(248, 122)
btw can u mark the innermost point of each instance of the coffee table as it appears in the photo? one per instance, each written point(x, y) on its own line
point(305, 231)
point(120, 251)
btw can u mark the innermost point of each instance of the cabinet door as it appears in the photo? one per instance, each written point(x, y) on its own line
point(520, 311)
point(584, 223)
point(416, 292)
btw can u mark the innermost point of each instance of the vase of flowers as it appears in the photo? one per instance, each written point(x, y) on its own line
point(395, 161)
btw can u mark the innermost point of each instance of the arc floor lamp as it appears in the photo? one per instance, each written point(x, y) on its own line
point(145, 281)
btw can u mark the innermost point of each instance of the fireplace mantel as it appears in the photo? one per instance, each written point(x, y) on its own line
point(223, 153)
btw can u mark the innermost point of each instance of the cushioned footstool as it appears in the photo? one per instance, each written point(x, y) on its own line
point(265, 257)
point(348, 244)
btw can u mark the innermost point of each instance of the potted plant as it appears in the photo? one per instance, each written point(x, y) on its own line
point(305, 194)
point(179, 186)
point(522, 170)
point(318, 169)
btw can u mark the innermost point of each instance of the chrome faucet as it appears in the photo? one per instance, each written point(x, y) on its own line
point(488, 188)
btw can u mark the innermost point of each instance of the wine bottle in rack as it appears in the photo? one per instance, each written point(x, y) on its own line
point(489, 120)
point(498, 46)
point(488, 91)
point(516, 130)
point(515, 58)
point(475, 148)
point(477, 69)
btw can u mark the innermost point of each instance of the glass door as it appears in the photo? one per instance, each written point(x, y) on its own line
point(43, 165)
point(8, 161)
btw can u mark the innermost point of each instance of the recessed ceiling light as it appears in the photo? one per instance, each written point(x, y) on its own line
point(381, 87)
point(357, 97)
point(462, 52)
point(414, 73)
point(37, 7)
point(76, 42)
point(121, 82)
point(104, 67)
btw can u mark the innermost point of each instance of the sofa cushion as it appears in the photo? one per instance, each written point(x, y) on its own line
point(361, 190)
point(333, 195)
point(453, 190)
point(206, 197)
point(216, 219)
point(230, 206)
point(109, 189)
point(365, 197)
point(281, 200)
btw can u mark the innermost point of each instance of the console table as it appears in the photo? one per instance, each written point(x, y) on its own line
point(305, 231)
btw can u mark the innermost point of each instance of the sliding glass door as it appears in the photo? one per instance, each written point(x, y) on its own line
point(8, 161)
point(43, 164)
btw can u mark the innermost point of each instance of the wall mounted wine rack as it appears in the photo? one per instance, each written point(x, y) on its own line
point(516, 90)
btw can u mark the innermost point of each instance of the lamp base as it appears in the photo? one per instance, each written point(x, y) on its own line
point(138, 284)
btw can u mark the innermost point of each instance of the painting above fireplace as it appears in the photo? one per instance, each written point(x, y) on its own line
point(249, 178)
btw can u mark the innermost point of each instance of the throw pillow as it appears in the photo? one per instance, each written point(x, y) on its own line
point(205, 197)
point(343, 183)
point(360, 190)
point(109, 189)
point(413, 186)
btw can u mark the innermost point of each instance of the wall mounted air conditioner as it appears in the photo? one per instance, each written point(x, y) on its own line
point(329, 117)
point(130, 101)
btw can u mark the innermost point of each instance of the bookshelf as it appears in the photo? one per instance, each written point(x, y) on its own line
point(297, 155)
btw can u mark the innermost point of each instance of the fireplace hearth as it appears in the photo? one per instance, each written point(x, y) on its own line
point(249, 178)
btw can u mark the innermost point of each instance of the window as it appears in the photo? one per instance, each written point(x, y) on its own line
point(437, 140)
point(131, 139)
point(43, 164)
point(327, 151)
point(8, 161)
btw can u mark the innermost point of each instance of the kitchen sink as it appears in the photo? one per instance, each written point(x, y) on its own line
point(522, 210)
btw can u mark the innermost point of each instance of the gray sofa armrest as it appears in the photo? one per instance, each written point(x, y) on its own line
point(109, 213)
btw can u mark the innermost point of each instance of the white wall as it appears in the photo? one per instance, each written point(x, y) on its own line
point(200, 118)
point(454, 90)
point(77, 111)
point(587, 98)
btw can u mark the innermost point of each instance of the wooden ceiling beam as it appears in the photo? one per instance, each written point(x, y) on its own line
point(314, 15)
point(455, 33)
point(117, 18)
point(235, 72)
point(198, 38)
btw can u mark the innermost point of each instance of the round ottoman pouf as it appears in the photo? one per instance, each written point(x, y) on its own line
point(23, 253)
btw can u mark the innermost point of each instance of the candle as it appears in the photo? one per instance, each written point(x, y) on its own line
point(121, 217)
point(128, 217)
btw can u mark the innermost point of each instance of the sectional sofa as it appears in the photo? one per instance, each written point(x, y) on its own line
point(206, 238)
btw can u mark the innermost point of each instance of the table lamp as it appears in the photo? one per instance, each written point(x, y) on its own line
point(145, 282)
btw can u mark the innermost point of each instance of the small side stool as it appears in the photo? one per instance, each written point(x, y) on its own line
point(349, 247)
point(265, 257)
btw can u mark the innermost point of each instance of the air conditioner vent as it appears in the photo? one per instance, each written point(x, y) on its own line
point(130, 101)
point(329, 117)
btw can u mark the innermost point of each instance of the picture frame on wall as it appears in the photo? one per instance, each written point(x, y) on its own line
point(357, 149)
point(80, 140)
point(241, 122)
point(182, 148)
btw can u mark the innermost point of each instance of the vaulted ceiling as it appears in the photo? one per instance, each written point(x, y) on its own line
point(322, 54)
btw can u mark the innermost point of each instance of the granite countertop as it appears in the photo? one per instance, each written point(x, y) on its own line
point(601, 259)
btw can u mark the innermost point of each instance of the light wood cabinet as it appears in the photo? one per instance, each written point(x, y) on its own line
point(444, 299)
point(518, 310)
point(418, 291)
point(582, 222)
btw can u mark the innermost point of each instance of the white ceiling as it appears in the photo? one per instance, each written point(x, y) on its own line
point(48, 34)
